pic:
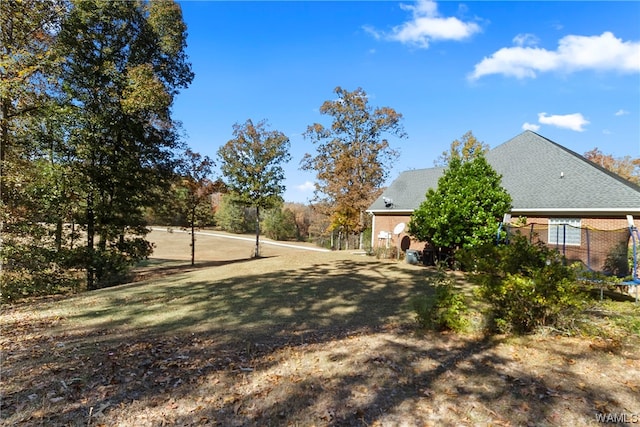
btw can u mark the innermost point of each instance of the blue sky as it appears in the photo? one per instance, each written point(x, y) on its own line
point(567, 70)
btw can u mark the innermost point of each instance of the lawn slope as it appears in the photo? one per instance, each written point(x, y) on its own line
point(295, 338)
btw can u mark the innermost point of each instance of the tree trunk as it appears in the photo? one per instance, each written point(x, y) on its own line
point(4, 143)
point(5, 104)
point(58, 237)
point(6, 101)
point(91, 231)
point(193, 236)
point(257, 254)
point(4, 132)
point(362, 227)
point(73, 233)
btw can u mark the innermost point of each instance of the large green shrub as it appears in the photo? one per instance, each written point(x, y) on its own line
point(464, 210)
point(527, 285)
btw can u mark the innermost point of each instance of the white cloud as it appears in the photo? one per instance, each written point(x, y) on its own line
point(621, 112)
point(426, 25)
point(603, 53)
point(372, 31)
point(575, 121)
point(525, 40)
point(530, 126)
point(307, 186)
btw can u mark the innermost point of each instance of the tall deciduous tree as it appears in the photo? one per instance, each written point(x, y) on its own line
point(627, 167)
point(124, 63)
point(353, 157)
point(465, 209)
point(251, 165)
point(31, 180)
point(26, 36)
point(466, 148)
point(194, 175)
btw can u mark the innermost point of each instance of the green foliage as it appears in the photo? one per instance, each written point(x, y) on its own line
point(465, 209)
point(251, 165)
point(26, 57)
point(113, 264)
point(35, 262)
point(33, 188)
point(527, 286)
point(280, 224)
point(628, 318)
point(611, 323)
point(33, 270)
point(443, 308)
point(231, 216)
point(86, 133)
point(121, 70)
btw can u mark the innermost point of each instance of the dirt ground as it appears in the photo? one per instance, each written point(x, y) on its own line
point(297, 337)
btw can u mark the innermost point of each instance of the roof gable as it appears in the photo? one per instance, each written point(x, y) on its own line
point(539, 174)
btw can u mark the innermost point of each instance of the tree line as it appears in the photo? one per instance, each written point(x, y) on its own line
point(87, 137)
point(90, 155)
point(89, 151)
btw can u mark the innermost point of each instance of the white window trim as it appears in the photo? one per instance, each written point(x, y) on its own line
point(574, 224)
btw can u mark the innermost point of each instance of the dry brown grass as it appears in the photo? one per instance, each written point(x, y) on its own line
point(294, 338)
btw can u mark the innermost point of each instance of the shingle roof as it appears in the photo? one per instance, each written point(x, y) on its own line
point(408, 190)
point(540, 175)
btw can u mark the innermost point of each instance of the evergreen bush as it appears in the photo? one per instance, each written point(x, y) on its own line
point(527, 285)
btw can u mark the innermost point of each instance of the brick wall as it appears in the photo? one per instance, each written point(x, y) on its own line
point(602, 240)
point(388, 223)
point(599, 238)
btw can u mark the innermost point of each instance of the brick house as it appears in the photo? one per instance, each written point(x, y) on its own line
point(564, 197)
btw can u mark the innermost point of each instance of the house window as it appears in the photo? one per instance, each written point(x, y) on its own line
point(564, 231)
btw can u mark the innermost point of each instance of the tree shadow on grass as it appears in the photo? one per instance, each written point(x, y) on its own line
point(324, 344)
point(155, 268)
point(345, 295)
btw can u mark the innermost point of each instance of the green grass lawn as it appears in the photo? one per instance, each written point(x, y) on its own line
point(251, 297)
